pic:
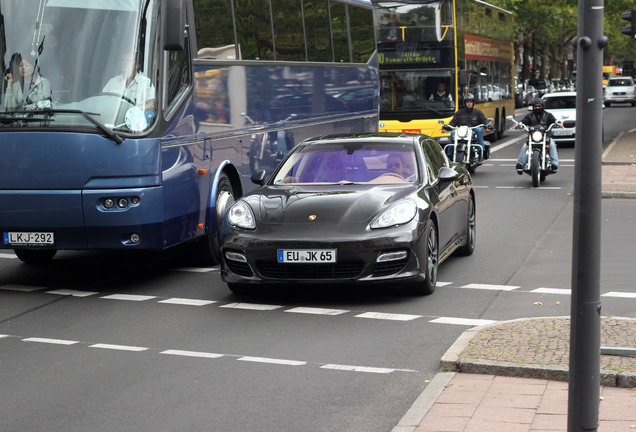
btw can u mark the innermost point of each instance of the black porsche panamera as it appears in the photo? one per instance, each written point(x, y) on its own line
point(356, 208)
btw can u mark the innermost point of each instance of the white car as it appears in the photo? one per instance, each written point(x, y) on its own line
point(619, 90)
point(562, 105)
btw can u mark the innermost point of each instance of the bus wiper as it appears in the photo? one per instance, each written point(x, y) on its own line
point(27, 116)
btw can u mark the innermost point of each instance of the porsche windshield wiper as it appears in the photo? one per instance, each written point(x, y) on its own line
point(46, 115)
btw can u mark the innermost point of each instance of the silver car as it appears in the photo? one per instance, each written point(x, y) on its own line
point(619, 90)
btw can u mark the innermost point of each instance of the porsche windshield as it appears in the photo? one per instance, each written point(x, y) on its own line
point(348, 164)
point(76, 58)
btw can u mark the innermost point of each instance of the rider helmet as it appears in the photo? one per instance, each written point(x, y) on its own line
point(537, 106)
point(469, 97)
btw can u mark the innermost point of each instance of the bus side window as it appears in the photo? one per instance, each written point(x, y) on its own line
point(178, 74)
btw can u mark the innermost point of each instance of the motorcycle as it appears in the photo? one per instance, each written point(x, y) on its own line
point(465, 148)
point(538, 165)
point(267, 149)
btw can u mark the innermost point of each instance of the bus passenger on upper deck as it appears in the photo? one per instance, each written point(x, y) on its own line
point(25, 87)
point(393, 32)
point(132, 85)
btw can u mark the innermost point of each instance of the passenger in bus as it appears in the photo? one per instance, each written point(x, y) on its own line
point(133, 85)
point(24, 86)
point(441, 95)
point(393, 32)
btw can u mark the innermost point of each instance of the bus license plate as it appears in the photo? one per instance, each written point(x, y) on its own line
point(28, 238)
point(307, 256)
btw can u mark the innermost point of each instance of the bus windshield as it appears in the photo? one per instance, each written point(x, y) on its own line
point(415, 51)
point(73, 64)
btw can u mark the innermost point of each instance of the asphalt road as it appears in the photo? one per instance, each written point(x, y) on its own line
point(101, 342)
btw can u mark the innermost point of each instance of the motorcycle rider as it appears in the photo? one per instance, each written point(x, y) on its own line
point(469, 116)
point(539, 117)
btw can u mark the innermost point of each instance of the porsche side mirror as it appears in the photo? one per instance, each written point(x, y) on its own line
point(447, 174)
point(259, 178)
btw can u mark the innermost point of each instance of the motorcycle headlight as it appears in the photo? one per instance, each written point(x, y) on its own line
point(462, 131)
point(241, 215)
point(399, 213)
point(537, 136)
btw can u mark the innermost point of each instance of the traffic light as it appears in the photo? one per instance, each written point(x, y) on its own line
point(629, 30)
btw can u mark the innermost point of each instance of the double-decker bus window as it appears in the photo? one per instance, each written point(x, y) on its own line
point(317, 30)
point(254, 29)
point(340, 34)
point(288, 30)
point(420, 83)
point(362, 42)
point(214, 34)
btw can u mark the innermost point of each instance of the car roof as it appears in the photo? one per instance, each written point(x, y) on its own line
point(397, 137)
point(559, 94)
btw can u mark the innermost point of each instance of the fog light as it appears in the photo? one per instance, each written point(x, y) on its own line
point(122, 203)
point(392, 256)
point(109, 203)
point(134, 200)
point(235, 256)
point(135, 238)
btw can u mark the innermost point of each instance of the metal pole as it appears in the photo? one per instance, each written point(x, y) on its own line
point(585, 325)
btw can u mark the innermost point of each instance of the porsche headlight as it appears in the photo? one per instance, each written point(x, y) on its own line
point(537, 136)
point(401, 212)
point(241, 215)
point(462, 131)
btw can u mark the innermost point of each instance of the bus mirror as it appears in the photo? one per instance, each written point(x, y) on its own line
point(174, 25)
point(463, 77)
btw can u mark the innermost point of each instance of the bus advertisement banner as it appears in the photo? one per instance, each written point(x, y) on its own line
point(479, 48)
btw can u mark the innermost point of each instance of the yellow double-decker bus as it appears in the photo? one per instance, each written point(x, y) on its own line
point(432, 52)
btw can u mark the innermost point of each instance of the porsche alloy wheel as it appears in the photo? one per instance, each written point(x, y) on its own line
point(430, 262)
point(471, 229)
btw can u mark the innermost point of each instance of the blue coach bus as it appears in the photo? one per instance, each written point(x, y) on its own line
point(134, 124)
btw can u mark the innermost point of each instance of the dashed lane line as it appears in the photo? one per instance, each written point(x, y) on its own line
point(212, 355)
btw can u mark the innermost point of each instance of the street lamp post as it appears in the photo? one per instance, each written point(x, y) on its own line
point(585, 323)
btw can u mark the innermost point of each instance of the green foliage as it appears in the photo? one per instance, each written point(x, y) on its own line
point(554, 23)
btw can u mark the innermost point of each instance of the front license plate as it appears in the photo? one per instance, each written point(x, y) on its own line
point(561, 132)
point(306, 255)
point(28, 238)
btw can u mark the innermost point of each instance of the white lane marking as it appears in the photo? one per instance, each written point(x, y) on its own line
point(9, 256)
point(196, 269)
point(119, 347)
point(251, 306)
point(187, 302)
point(73, 293)
point(23, 288)
point(491, 287)
point(510, 187)
point(618, 294)
point(191, 354)
point(443, 284)
point(272, 361)
point(552, 291)
point(128, 297)
point(317, 311)
point(388, 316)
point(462, 321)
point(4, 336)
point(357, 368)
point(50, 341)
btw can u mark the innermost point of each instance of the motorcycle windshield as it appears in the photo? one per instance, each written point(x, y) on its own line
point(83, 63)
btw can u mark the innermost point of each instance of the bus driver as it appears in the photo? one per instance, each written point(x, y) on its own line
point(132, 85)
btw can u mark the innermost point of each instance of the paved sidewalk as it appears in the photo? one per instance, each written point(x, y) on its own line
point(619, 167)
point(513, 376)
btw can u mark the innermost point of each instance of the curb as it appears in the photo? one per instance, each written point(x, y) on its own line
point(451, 362)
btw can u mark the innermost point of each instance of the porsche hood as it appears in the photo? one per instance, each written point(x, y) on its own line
point(293, 204)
